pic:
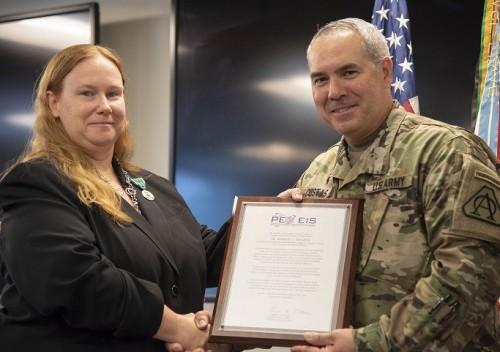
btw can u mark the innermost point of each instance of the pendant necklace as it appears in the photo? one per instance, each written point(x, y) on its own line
point(128, 193)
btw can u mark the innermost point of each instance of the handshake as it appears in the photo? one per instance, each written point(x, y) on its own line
point(189, 333)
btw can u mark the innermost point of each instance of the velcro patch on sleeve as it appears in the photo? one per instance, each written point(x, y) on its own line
point(477, 210)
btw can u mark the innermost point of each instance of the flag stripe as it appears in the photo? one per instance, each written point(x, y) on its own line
point(490, 13)
point(487, 122)
point(392, 19)
point(498, 134)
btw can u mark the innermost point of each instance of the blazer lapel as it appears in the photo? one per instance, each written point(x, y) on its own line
point(150, 211)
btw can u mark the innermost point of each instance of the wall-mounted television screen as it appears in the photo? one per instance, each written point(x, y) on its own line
point(27, 41)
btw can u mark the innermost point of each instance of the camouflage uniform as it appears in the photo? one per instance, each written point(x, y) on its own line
point(429, 267)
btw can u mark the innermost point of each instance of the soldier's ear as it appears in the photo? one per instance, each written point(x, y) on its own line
point(387, 70)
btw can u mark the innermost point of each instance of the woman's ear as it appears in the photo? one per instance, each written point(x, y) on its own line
point(53, 103)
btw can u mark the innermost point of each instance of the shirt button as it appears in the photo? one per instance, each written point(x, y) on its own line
point(174, 290)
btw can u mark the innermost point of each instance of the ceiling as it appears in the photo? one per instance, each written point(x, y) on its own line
point(111, 11)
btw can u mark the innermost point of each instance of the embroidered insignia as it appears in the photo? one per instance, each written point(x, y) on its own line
point(388, 183)
point(484, 206)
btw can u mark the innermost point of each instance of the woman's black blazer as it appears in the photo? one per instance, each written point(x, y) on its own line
point(77, 280)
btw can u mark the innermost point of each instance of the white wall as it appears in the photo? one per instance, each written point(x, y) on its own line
point(139, 30)
point(144, 48)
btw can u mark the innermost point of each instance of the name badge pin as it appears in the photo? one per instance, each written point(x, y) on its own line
point(148, 195)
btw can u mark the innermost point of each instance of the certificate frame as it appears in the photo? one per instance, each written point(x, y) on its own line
point(229, 325)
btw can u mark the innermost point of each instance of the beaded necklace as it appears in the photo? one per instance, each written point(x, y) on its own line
point(129, 189)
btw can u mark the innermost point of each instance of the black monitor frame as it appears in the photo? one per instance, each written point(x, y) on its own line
point(92, 7)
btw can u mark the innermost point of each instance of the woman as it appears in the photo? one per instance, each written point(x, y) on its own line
point(95, 251)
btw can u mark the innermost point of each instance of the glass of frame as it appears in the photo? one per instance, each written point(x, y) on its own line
point(288, 268)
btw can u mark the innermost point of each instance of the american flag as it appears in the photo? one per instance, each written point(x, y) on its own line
point(392, 19)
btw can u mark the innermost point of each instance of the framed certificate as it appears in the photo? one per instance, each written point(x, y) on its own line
point(288, 268)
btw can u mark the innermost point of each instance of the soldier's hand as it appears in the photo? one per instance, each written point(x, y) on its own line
point(294, 194)
point(340, 340)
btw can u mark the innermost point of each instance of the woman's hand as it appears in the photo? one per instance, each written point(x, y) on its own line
point(203, 319)
point(294, 194)
point(340, 340)
point(184, 332)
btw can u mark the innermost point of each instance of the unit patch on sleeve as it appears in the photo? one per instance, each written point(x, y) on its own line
point(477, 208)
point(484, 206)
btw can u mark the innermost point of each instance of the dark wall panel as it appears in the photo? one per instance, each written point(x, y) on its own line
point(27, 41)
point(245, 121)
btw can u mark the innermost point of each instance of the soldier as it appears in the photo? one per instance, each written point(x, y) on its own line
point(429, 266)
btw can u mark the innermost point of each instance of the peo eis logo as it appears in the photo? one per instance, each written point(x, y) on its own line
point(281, 219)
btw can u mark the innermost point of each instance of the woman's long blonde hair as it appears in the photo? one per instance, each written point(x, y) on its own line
point(51, 142)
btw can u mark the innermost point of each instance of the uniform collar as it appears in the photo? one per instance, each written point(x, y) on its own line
point(375, 159)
